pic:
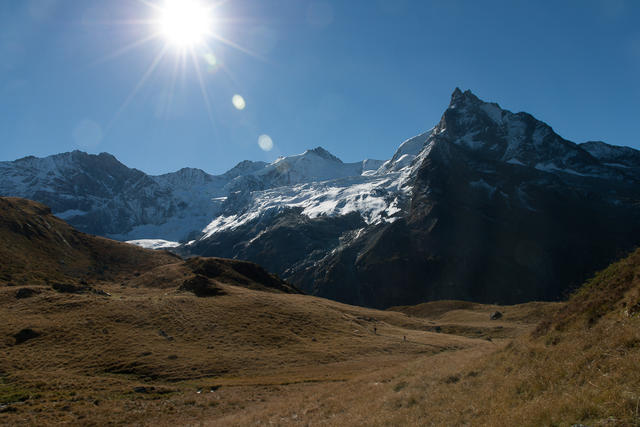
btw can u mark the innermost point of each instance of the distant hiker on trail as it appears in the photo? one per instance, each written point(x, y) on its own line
point(375, 330)
point(404, 338)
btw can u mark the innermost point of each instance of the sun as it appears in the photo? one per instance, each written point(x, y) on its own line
point(185, 23)
point(189, 33)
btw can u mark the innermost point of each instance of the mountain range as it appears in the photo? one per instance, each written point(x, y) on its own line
point(488, 205)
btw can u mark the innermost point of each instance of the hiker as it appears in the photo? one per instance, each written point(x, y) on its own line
point(404, 338)
point(375, 331)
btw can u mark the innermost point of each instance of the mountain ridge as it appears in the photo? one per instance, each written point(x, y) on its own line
point(481, 174)
point(80, 188)
point(412, 228)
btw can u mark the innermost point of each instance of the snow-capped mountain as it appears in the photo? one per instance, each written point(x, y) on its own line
point(100, 195)
point(487, 205)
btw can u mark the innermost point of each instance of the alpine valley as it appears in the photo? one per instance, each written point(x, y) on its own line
point(488, 205)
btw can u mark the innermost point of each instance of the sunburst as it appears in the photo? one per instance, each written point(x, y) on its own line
point(185, 23)
point(189, 30)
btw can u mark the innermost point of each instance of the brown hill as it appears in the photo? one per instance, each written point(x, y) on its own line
point(41, 249)
point(149, 350)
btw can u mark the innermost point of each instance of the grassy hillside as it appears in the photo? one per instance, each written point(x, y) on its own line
point(37, 248)
point(96, 331)
point(579, 365)
point(145, 337)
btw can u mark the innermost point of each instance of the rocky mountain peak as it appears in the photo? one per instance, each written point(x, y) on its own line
point(191, 172)
point(496, 134)
point(467, 114)
point(321, 152)
point(243, 168)
point(459, 98)
point(185, 176)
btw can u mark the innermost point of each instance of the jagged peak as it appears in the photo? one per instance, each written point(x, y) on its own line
point(459, 97)
point(248, 164)
point(191, 171)
point(321, 152)
point(467, 105)
point(186, 175)
point(244, 164)
point(243, 167)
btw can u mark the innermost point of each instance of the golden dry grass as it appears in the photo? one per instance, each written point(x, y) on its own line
point(576, 368)
point(37, 248)
point(95, 348)
point(257, 354)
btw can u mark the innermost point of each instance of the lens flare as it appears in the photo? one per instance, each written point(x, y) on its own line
point(265, 142)
point(238, 102)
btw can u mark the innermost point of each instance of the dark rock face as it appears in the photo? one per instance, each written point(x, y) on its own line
point(484, 229)
point(612, 155)
point(286, 242)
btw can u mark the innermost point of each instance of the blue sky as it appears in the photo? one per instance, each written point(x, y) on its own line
point(356, 77)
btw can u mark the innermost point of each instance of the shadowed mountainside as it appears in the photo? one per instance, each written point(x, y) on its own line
point(488, 206)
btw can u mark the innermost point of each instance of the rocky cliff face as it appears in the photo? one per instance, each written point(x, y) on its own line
point(489, 205)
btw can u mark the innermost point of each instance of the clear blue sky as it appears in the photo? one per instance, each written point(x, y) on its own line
point(356, 77)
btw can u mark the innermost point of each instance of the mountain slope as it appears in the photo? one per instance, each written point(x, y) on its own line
point(487, 206)
point(611, 155)
point(39, 248)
